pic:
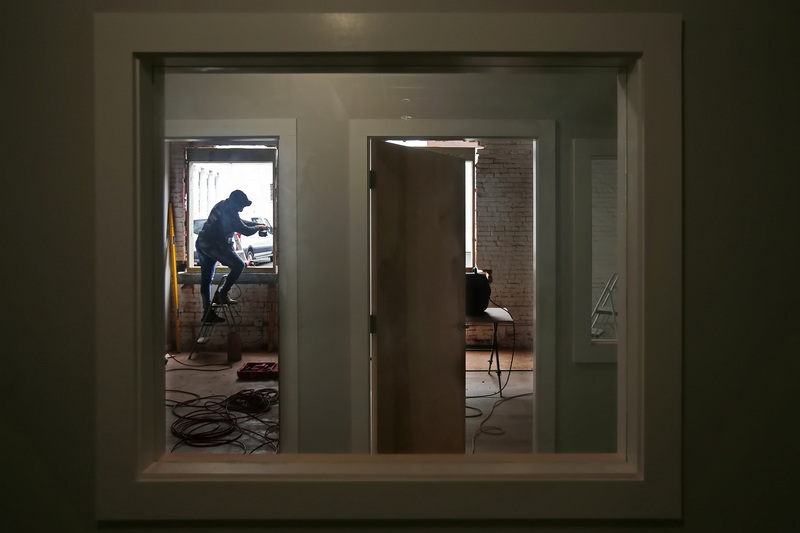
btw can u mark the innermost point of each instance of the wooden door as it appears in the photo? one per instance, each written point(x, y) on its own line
point(417, 254)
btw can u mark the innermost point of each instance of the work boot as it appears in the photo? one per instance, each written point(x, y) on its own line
point(210, 317)
point(223, 298)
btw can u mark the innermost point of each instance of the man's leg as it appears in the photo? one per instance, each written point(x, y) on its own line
point(231, 260)
point(208, 265)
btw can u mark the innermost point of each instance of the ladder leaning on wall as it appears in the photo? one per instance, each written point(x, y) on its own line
point(604, 307)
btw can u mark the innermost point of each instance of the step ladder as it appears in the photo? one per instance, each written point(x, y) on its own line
point(604, 307)
point(228, 312)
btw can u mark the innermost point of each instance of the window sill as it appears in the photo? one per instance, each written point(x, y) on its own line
point(247, 278)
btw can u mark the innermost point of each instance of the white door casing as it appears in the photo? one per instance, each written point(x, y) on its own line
point(544, 256)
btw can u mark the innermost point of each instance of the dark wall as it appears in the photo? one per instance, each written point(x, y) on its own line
point(740, 263)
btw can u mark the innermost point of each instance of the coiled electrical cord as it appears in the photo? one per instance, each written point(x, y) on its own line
point(252, 400)
point(217, 420)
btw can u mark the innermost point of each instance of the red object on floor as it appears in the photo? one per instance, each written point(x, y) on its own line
point(258, 371)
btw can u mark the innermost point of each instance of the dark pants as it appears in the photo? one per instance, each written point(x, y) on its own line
point(208, 254)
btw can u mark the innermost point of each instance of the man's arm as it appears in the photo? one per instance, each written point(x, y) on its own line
point(246, 227)
point(249, 228)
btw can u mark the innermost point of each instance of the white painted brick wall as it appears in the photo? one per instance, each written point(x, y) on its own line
point(604, 231)
point(504, 240)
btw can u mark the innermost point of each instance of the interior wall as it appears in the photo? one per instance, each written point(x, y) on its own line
point(323, 221)
point(739, 383)
point(586, 394)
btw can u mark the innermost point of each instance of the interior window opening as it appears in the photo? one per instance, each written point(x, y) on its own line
point(507, 222)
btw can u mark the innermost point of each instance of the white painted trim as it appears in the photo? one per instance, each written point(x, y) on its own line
point(286, 131)
point(135, 482)
point(262, 127)
point(544, 132)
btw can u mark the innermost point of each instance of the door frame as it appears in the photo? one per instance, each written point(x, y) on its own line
point(544, 131)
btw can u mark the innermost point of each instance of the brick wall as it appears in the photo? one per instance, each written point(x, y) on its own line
point(177, 195)
point(256, 302)
point(504, 240)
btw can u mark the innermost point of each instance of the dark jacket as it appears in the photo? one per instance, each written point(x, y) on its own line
point(222, 223)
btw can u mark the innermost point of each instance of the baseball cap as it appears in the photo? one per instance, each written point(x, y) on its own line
point(240, 198)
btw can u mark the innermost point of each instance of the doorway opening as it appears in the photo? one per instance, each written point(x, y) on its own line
point(221, 375)
point(435, 391)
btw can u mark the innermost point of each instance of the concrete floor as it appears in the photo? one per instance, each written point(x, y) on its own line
point(216, 412)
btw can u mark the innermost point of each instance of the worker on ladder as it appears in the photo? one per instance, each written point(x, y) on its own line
point(215, 244)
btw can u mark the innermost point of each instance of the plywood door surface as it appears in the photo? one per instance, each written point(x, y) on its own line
point(417, 252)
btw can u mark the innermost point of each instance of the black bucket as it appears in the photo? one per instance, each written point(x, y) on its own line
point(478, 292)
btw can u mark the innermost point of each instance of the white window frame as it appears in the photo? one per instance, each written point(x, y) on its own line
point(584, 348)
point(469, 211)
point(191, 215)
point(136, 481)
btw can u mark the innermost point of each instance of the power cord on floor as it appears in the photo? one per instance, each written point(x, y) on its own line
point(202, 367)
point(208, 421)
point(482, 429)
point(492, 430)
point(477, 414)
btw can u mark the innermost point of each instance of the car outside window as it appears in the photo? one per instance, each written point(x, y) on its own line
point(257, 248)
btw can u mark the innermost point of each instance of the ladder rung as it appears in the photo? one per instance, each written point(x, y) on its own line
point(606, 311)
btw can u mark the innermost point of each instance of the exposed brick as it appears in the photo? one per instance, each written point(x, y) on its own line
point(504, 241)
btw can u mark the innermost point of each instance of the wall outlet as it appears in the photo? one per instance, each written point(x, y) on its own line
point(258, 322)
